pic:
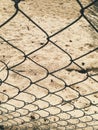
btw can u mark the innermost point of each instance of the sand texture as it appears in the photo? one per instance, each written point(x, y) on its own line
point(48, 65)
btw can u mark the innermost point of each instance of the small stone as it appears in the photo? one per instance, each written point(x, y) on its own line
point(51, 80)
point(83, 63)
point(70, 40)
point(32, 117)
point(4, 90)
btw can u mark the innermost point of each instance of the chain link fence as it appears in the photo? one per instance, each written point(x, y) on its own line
point(42, 85)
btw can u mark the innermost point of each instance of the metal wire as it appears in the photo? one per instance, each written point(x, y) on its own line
point(19, 112)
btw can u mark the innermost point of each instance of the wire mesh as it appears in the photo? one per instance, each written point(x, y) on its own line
point(39, 93)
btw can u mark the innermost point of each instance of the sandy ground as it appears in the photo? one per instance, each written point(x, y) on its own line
point(45, 91)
